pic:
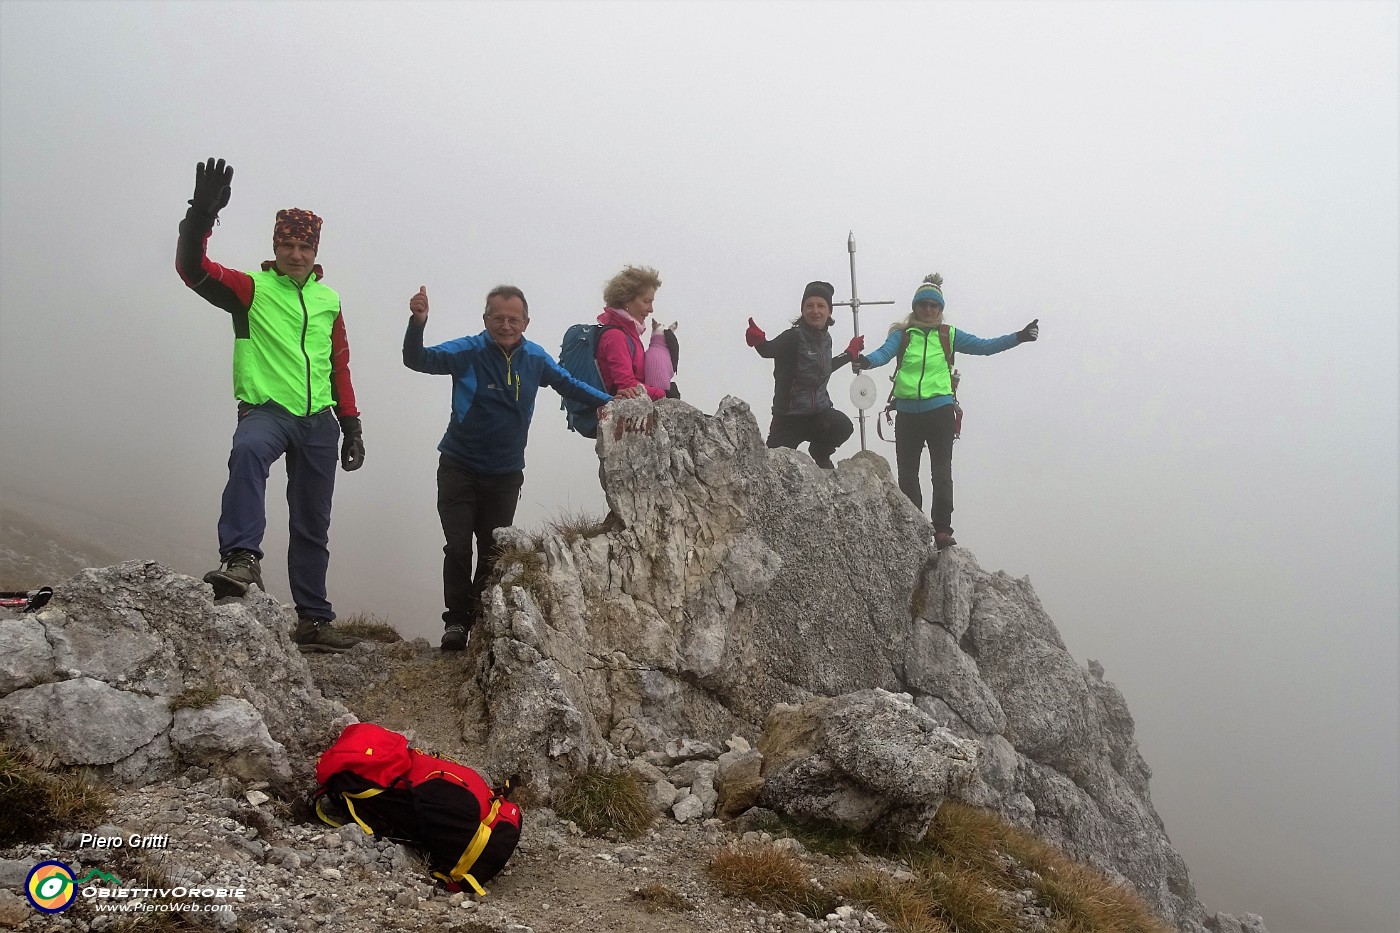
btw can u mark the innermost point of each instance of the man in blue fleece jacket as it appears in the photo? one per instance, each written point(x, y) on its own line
point(495, 376)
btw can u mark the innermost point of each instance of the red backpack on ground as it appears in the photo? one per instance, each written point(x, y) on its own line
point(467, 829)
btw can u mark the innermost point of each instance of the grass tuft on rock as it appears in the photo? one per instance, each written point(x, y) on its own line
point(966, 875)
point(194, 698)
point(574, 525)
point(1083, 899)
point(656, 897)
point(966, 901)
point(599, 800)
point(525, 567)
point(371, 627)
point(771, 877)
point(41, 800)
point(902, 904)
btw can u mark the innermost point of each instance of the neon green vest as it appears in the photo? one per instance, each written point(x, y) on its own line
point(286, 357)
point(923, 369)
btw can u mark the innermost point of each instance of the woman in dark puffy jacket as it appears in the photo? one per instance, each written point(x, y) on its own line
point(802, 364)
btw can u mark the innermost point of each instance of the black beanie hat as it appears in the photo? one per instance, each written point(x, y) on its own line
point(822, 290)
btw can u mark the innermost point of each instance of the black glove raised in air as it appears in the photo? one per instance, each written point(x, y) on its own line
point(212, 181)
point(1029, 333)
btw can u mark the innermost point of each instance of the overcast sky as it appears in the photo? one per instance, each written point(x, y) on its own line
point(1196, 464)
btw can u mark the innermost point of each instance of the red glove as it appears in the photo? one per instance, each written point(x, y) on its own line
point(754, 335)
point(855, 346)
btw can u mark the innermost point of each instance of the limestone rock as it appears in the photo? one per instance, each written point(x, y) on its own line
point(719, 595)
point(230, 737)
point(14, 910)
point(26, 658)
point(90, 677)
point(941, 669)
point(729, 581)
point(688, 807)
point(866, 760)
point(82, 721)
point(647, 771)
point(737, 782)
point(727, 585)
point(1227, 923)
point(13, 872)
point(679, 750)
point(662, 795)
point(702, 786)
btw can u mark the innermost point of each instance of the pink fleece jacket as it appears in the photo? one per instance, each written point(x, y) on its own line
point(621, 362)
point(660, 369)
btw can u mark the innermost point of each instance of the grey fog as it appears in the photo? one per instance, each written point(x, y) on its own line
point(1196, 464)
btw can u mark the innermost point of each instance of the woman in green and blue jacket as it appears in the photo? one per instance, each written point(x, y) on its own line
point(923, 394)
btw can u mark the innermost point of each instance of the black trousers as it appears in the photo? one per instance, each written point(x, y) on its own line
point(471, 506)
point(913, 431)
point(824, 431)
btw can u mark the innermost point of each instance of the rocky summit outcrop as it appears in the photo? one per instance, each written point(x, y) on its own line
point(746, 633)
point(731, 578)
point(136, 672)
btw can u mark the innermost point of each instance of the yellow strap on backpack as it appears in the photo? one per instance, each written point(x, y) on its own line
point(362, 795)
point(474, 849)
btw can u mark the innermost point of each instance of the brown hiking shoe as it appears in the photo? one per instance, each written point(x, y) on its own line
point(238, 573)
point(320, 635)
point(944, 539)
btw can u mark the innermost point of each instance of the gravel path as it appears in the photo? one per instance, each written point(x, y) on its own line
point(298, 875)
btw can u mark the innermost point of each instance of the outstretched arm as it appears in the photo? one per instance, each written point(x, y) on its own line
point(971, 344)
point(563, 382)
point(768, 349)
point(224, 288)
point(883, 354)
point(440, 360)
point(851, 352)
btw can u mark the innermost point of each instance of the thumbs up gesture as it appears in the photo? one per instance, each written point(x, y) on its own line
point(418, 305)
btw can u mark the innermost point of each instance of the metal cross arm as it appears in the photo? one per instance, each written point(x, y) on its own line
point(854, 304)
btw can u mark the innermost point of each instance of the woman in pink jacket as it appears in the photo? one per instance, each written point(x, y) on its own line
point(622, 351)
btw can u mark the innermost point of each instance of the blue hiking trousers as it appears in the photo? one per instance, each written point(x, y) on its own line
point(311, 445)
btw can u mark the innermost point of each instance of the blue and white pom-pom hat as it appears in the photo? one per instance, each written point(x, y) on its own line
point(930, 289)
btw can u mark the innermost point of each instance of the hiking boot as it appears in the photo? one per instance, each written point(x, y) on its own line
point(454, 638)
point(236, 576)
point(824, 462)
point(944, 539)
point(320, 635)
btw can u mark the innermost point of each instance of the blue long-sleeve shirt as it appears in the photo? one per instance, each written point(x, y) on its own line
point(962, 342)
point(493, 395)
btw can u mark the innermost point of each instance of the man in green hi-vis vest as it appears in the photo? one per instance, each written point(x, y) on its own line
point(291, 376)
